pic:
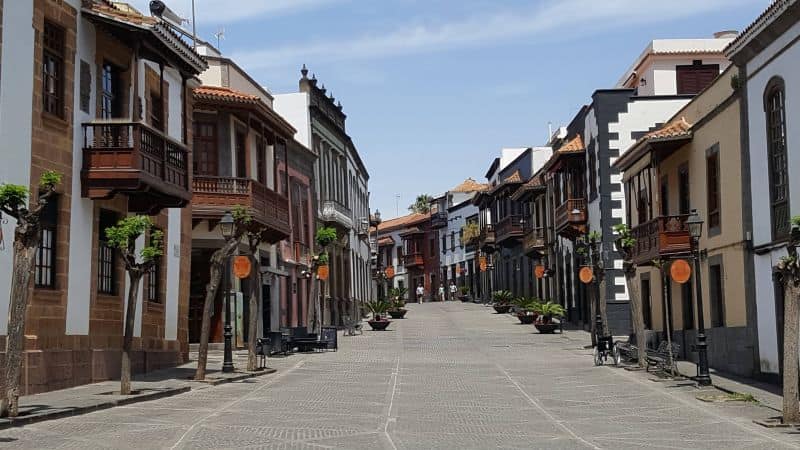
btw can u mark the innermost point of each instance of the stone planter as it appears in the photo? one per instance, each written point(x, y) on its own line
point(546, 328)
point(398, 313)
point(502, 309)
point(526, 319)
point(379, 325)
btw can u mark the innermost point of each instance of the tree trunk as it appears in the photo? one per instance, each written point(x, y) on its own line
point(592, 313)
point(127, 340)
point(314, 316)
point(217, 260)
point(25, 243)
point(255, 297)
point(637, 315)
point(601, 303)
point(791, 321)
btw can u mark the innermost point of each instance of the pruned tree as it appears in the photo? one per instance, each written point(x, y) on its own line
point(788, 270)
point(123, 237)
point(27, 234)
point(218, 258)
point(625, 243)
point(422, 205)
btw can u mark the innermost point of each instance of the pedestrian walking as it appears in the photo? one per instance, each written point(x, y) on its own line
point(420, 293)
point(453, 290)
point(441, 294)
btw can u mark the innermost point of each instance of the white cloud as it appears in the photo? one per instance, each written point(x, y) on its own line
point(221, 12)
point(553, 20)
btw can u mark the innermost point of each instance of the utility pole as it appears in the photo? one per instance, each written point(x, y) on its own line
point(194, 29)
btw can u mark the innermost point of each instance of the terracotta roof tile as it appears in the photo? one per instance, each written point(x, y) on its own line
point(774, 10)
point(110, 9)
point(470, 185)
point(224, 93)
point(677, 128)
point(386, 240)
point(404, 221)
point(573, 146)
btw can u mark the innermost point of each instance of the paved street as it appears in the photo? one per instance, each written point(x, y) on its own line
point(450, 376)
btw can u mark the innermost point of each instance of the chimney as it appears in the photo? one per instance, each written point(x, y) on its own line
point(726, 34)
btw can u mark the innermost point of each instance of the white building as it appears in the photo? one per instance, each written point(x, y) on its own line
point(768, 57)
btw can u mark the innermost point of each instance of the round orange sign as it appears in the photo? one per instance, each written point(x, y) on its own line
point(586, 275)
point(389, 272)
point(539, 271)
point(680, 271)
point(322, 273)
point(242, 267)
point(482, 263)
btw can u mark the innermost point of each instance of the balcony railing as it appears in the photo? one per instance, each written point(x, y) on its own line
point(663, 236)
point(510, 228)
point(413, 260)
point(213, 196)
point(486, 239)
point(337, 214)
point(535, 240)
point(571, 216)
point(302, 254)
point(438, 219)
point(137, 160)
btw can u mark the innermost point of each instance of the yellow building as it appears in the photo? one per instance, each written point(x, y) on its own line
point(693, 162)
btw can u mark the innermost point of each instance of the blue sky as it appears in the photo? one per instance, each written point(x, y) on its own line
point(433, 89)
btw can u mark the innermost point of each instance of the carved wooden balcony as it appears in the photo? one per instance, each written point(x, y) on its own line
point(535, 241)
point(438, 219)
point(133, 159)
point(510, 230)
point(486, 240)
point(413, 260)
point(213, 196)
point(662, 237)
point(570, 218)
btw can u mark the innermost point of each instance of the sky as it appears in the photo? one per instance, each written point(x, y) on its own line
point(433, 89)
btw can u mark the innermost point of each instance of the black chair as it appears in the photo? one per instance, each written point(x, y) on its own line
point(330, 338)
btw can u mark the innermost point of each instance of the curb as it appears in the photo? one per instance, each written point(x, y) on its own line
point(76, 411)
point(243, 376)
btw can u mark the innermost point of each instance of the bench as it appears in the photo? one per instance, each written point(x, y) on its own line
point(660, 357)
point(628, 351)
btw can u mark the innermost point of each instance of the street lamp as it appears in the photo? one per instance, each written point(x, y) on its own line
point(695, 225)
point(226, 225)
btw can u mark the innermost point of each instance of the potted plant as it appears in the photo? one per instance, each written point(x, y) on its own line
point(398, 302)
point(463, 292)
point(378, 308)
point(502, 301)
point(527, 310)
point(326, 236)
point(322, 267)
point(547, 312)
point(471, 232)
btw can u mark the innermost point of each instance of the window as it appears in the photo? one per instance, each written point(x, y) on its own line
point(696, 77)
point(688, 306)
point(261, 164)
point(712, 189)
point(684, 201)
point(461, 238)
point(44, 275)
point(444, 244)
point(156, 111)
point(106, 270)
point(717, 295)
point(153, 283)
point(452, 241)
point(241, 155)
point(110, 95)
point(646, 301)
point(432, 247)
point(400, 255)
point(664, 197)
point(775, 108)
point(205, 148)
point(53, 69)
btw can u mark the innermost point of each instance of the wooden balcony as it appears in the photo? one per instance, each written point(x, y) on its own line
point(486, 240)
point(535, 241)
point(510, 230)
point(570, 218)
point(213, 196)
point(662, 237)
point(131, 158)
point(413, 260)
point(337, 214)
point(438, 220)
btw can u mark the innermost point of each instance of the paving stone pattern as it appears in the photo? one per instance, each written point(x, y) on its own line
point(451, 375)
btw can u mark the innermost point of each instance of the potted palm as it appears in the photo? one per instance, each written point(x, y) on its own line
point(547, 312)
point(378, 308)
point(526, 309)
point(502, 301)
point(398, 302)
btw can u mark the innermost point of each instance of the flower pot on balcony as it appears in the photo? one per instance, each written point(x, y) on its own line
point(502, 309)
point(379, 325)
point(398, 313)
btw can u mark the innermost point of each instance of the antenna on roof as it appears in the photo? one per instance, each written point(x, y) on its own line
point(549, 131)
point(220, 35)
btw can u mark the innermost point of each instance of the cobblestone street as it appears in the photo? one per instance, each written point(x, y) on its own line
point(452, 375)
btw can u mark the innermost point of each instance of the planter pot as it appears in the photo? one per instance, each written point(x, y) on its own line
point(502, 309)
point(546, 328)
point(526, 319)
point(398, 314)
point(463, 298)
point(379, 325)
